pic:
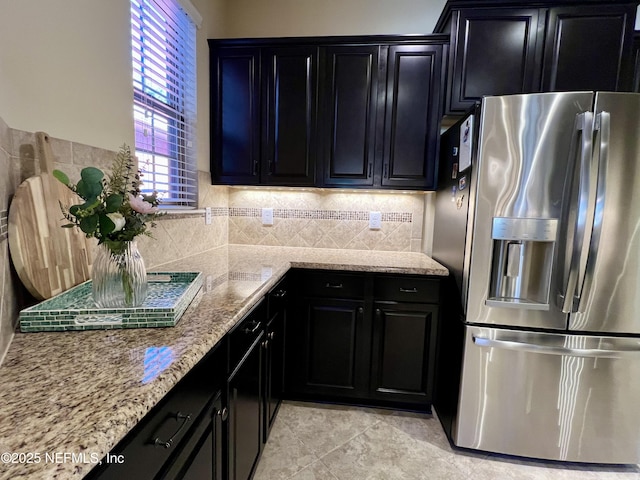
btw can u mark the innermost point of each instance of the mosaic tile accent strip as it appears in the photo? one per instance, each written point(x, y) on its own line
point(399, 217)
point(4, 224)
point(170, 293)
point(215, 212)
point(246, 276)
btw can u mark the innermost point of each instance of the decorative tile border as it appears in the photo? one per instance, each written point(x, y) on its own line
point(399, 217)
point(246, 276)
point(215, 212)
point(4, 224)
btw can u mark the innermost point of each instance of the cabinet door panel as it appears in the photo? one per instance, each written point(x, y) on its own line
point(412, 115)
point(587, 48)
point(348, 117)
point(289, 138)
point(235, 115)
point(245, 415)
point(332, 328)
point(404, 338)
point(494, 53)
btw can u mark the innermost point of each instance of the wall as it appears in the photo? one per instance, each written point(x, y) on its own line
point(255, 18)
point(65, 68)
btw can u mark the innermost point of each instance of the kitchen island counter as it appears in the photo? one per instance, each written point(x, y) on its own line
point(69, 397)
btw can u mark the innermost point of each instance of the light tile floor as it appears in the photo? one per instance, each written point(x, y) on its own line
point(327, 442)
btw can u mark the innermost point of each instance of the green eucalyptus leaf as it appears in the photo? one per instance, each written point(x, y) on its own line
point(92, 175)
point(88, 190)
point(74, 209)
point(89, 224)
point(113, 202)
point(106, 225)
point(62, 177)
point(69, 225)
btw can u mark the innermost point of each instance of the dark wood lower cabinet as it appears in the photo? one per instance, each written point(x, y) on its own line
point(245, 415)
point(274, 354)
point(404, 342)
point(377, 351)
point(331, 359)
point(245, 394)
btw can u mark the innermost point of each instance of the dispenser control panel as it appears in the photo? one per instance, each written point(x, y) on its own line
point(532, 229)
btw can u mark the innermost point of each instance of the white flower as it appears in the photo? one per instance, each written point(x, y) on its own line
point(141, 206)
point(118, 220)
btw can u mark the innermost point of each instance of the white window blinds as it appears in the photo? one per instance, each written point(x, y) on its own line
point(164, 104)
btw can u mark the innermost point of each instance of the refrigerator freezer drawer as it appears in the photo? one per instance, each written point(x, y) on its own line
point(551, 396)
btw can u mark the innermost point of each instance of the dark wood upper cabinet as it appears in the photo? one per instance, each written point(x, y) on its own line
point(349, 99)
point(492, 53)
point(235, 115)
point(501, 48)
point(288, 141)
point(412, 120)
point(360, 112)
point(588, 48)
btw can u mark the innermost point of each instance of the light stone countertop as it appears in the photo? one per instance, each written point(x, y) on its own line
point(81, 392)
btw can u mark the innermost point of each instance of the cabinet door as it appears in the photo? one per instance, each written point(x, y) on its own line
point(589, 48)
point(235, 115)
point(328, 355)
point(412, 120)
point(245, 414)
point(349, 96)
point(493, 52)
point(288, 142)
point(274, 368)
point(403, 352)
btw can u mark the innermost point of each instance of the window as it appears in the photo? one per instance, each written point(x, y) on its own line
point(164, 108)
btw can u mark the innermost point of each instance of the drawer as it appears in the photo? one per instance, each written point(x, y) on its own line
point(245, 333)
point(332, 285)
point(407, 288)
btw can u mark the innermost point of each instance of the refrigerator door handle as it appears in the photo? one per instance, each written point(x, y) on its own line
point(584, 123)
point(557, 350)
point(603, 127)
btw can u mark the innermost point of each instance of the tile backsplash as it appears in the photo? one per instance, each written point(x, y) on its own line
point(327, 219)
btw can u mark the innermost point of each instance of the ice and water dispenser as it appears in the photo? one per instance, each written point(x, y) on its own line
point(522, 262)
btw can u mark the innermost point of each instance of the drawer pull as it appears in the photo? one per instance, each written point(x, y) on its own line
point(333, 285)
point(270, 335)
point(252, 329)
point(186, 418)
point(409, 290)
point(280, 294)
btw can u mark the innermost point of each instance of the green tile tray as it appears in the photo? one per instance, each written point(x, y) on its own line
point(169, 295)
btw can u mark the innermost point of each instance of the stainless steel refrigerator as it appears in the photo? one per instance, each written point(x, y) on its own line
point(537, 216)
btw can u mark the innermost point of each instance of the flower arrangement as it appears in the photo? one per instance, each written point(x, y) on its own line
point(114, 210)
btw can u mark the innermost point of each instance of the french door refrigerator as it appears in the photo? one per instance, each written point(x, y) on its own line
point(537, 216)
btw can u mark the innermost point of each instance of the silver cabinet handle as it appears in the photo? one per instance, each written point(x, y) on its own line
point(554, 350)
point(186, 418)
point(333, 285)
point(409, 290)
point(252, 329)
